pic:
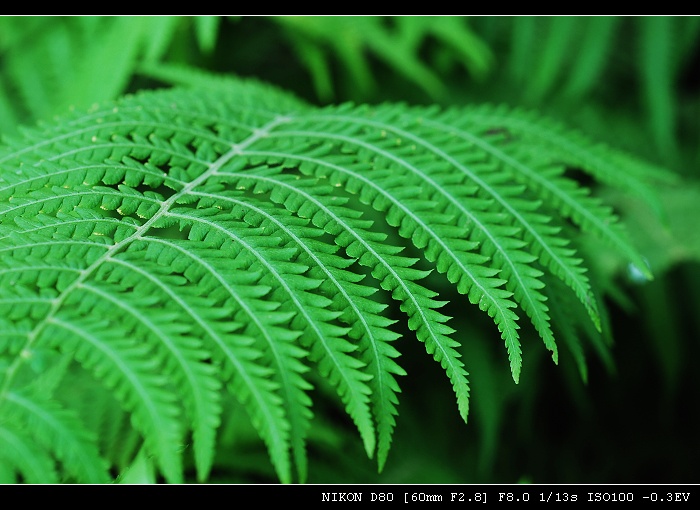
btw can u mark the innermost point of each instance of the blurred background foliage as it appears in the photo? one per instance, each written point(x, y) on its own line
point(631, 414)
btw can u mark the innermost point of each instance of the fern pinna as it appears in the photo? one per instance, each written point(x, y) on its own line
point(189, 246)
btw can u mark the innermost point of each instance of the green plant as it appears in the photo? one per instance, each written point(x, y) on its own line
point(50, 64)
point(648, 57)
point(225, 282)
point(187, 246)
point(397, 41)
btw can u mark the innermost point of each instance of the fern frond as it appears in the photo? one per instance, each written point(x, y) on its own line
point(20, 453)
point(190, 246)
point(349, 297)
point(58, 430)
point(128, 369)
point(606, 164)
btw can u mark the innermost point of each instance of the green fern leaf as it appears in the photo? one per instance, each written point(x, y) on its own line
point(20, 453)
point(186, 247)
point(59, 430)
